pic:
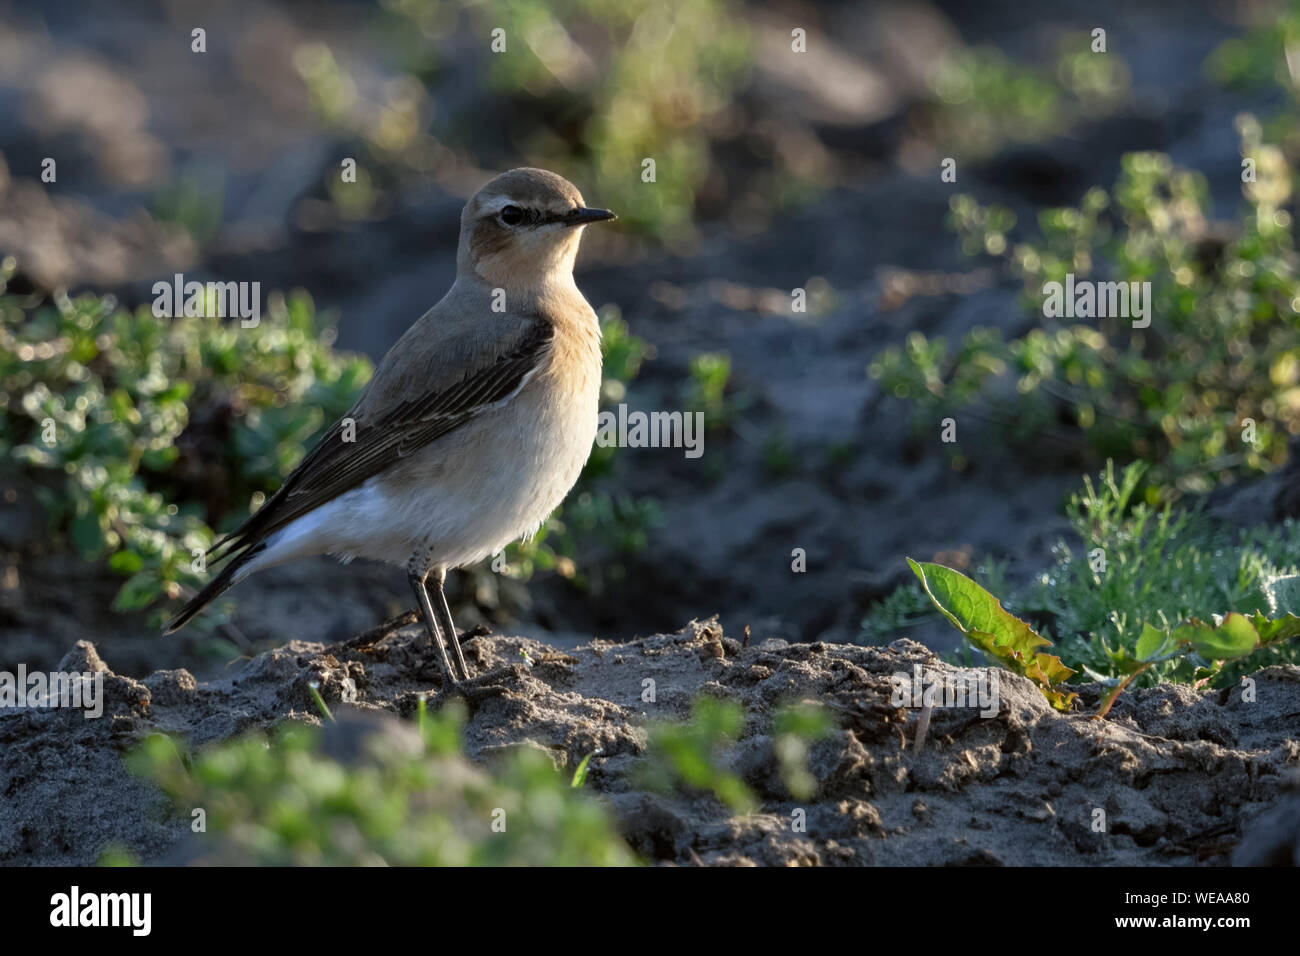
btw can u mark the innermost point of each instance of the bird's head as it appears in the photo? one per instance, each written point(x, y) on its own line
point(521, 230)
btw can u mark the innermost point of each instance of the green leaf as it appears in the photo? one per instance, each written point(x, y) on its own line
point(1156, 645)
point(1283, 594)
point(1276, 631)
point(580, 774)
point(1125, 664)
point(972, 609)
point(126, 562)
point(1233, 637)
point(1001, 635)
point(140, 590)
point(1150, 642)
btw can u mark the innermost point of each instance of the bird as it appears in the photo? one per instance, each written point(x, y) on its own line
point(473, 428)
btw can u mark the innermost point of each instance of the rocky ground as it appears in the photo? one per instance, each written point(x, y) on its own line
point(1183, 777)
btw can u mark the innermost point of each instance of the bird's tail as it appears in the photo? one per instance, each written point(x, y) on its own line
point(224, 580)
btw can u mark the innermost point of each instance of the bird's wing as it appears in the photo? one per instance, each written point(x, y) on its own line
point(448, 388)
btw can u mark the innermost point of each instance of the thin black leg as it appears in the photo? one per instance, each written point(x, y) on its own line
point(445, 622)
point(431, 622)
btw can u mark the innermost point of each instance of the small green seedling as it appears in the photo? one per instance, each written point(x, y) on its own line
point(580, 774)
point(314, 689)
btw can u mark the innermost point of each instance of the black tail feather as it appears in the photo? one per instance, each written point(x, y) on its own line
point(212, 590)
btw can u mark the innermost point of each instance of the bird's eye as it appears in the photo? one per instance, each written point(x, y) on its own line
point(512, 215)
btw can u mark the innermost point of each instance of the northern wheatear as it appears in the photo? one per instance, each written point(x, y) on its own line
point(475, 425)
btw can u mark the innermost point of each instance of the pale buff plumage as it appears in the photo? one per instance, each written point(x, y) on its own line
point(476, 423)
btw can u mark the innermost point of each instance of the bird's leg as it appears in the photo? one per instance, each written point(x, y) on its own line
point(416, 579)
point(445, 622)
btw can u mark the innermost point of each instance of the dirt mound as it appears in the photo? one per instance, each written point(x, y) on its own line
point(1174, 777)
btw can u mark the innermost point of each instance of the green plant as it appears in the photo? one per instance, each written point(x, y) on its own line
point(595, 88)
point(778, 454)
point(278, 799)
point(1208, 391)
point(900, 609)
point(580, 772)
point(980, 100)
point(1205, 647)
point(622, 355)
point(908, 605)
point(795, 728)
point(688, 754)
point(194, 204)
point(1155, 594)
point(1264, 56)
point(670, 67)
point(1197, 648)
point(707, 390)
point(1139, 564)
point(1003, 637)
point(94, 400)
point(314, 689)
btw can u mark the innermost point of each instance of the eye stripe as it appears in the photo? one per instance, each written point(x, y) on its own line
point(528, 216)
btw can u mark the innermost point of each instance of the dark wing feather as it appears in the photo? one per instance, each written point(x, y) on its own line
point(334, 466)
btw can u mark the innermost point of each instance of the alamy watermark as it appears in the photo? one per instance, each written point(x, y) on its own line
point(225, 300)
point(1086, 299)
point(972, 688)
point(637, 429)
point(133, 911)
point(39, 690)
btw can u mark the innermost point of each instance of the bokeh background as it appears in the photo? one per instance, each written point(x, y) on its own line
point(776, 170)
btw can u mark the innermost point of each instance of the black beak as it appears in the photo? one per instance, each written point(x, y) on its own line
point(584, 214)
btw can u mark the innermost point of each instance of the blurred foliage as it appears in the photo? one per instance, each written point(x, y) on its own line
point(622, 356)
point(691, 756)
point(1268, 54)
point(194, 203)
point(93, 400)
point(590, 87)
point(1223, 346)
point(688, 756)
point(981, 99)
point(281, 801)
point(795, 728)
point(594, 88)
point(778, 454)
point(665, 68)
point(412, 799)
point(709, 390)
